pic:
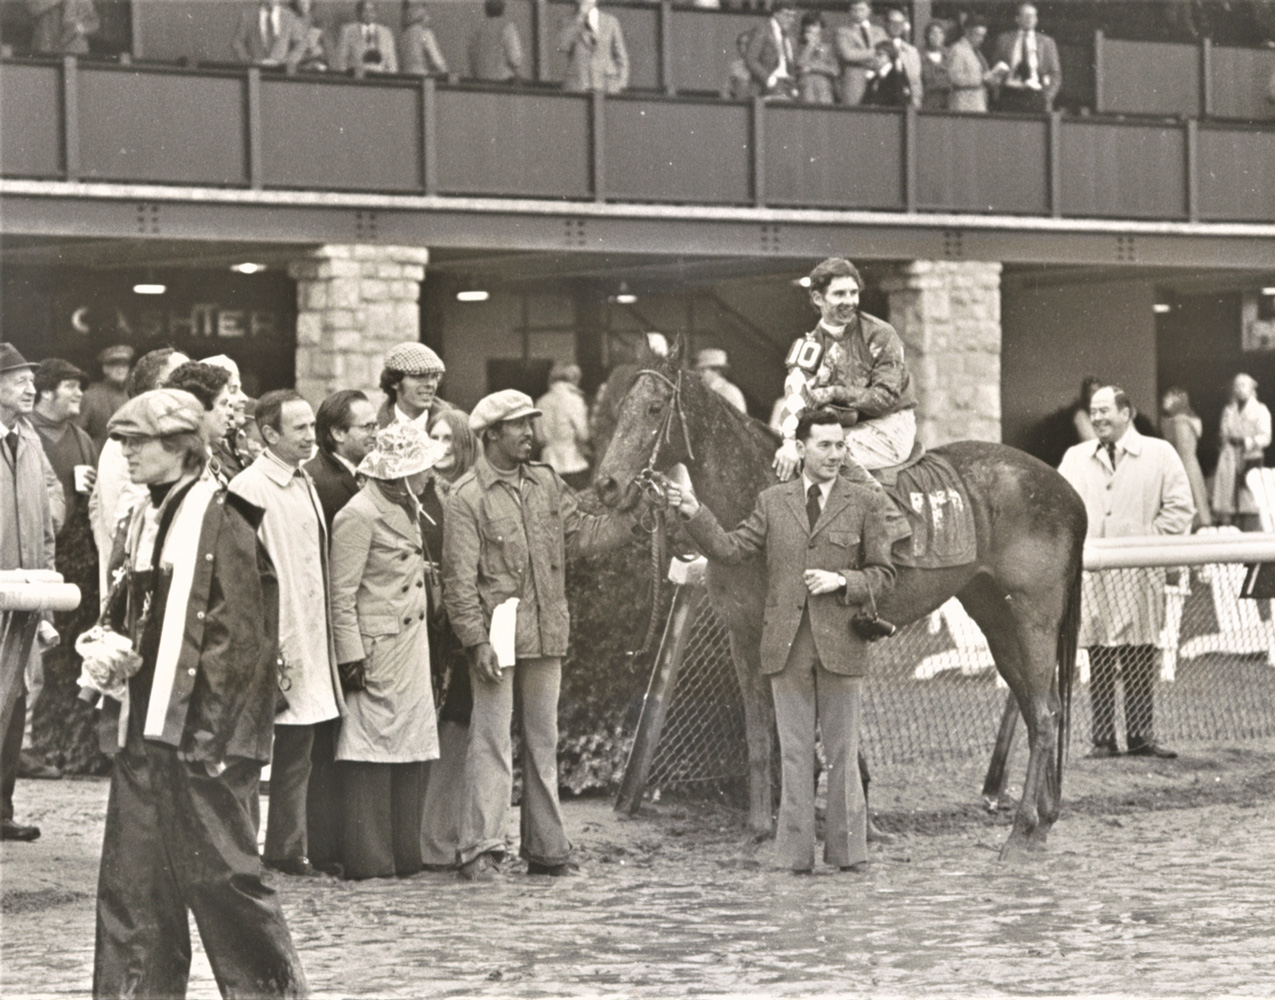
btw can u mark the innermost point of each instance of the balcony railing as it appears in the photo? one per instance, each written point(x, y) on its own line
point(245, 128)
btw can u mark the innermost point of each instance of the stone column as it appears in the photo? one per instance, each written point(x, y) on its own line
point(949, 316)
point(354, 302)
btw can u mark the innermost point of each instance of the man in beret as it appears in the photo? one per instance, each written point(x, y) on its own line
point(59, 388)
point(102, 399)
point(410, 382)
point(510, 526)
point(199, 602)
point(27, 532)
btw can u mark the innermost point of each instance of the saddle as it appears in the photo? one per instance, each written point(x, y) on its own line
point(932, 499)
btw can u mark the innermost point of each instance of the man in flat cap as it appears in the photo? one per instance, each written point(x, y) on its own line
point(59, 388)
point(199, 602)
point(102, 399)
point(410, 382)
point(27, 532)
point(510, 527)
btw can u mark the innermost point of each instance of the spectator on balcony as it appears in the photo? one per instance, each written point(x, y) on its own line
point(1027, 66)
point(936, 80)
point(1245, 434)
point(597, 58)
point(896, 78)
point(366, 46)
point(421, 55)
point(856, 51)
point(495, 48)
point(300, 45)
point(1132, 486)
point(102, 399)
point(62, 27)
point(816, 62)
point(771, 54)
point(967, 69)
point(263, 33)
point(738, 83)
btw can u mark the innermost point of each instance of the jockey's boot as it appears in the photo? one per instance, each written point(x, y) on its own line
point(896, 525)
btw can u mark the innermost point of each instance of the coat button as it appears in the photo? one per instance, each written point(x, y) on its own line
point(421, 616)
point(191, 671)
point(208, 557)
point(199, 615)
point(810, 544)
point(419, 583)
point(405, 588)
point(407, 621)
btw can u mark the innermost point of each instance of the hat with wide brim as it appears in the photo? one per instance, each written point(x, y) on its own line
point(508, 404)
point(401, 450)
point(11, 359)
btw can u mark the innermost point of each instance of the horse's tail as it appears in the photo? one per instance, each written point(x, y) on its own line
point(1068, 636)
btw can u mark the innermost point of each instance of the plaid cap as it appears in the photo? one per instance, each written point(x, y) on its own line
point(157, 413)
point(412, 358)
point(54, 371)
point(508, 404)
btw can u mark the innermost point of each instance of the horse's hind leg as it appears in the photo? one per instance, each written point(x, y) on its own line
point(759, 725)
point(1022, 632)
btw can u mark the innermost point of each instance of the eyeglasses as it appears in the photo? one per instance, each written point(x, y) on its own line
point(369, 427)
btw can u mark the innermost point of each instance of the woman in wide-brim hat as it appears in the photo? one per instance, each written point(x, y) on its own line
point(380, 625)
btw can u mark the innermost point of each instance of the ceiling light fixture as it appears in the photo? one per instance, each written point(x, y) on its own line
point(471, 291)
point(803, 281)
point(1162, 307)
point(149, 288)
point(623, 297)
point(1269, 290)
point(248, 267)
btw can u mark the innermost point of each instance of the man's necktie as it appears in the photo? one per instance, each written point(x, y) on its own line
point(11, 439)
point(1111, 453)
point(812, 505)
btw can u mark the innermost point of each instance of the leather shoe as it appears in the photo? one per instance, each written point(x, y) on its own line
point(10, 830)
point(483, 868)
point(557, 871)
point(1150, 748)
point(803, 871)
point(298, 867)
point(1104, 750)
point(31, 766)
point(858, 868)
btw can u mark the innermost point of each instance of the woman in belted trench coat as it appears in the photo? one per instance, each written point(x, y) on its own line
point(381, 628)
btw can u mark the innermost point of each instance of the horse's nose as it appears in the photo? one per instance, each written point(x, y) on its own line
point(608, 490)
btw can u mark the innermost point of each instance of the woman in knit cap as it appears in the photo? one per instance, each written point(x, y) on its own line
point(379, 623)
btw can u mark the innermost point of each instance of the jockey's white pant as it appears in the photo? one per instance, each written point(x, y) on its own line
point(882, 441)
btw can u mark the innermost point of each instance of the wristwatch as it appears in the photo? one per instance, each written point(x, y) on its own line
point(841, 582)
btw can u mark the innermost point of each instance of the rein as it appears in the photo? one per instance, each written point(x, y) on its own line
point(648, 481)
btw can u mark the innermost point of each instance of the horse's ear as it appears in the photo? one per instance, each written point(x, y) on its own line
point(677, 352)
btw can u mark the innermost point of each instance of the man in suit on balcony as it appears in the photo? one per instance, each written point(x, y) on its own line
point(263, 32)
point(771, 54)
point(366, 46)
point(1026, 62)
point(857, 52)
point(596, 55)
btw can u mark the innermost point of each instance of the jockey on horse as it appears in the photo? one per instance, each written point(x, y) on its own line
point(852, 364)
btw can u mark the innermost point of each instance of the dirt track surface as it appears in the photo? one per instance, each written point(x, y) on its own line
point(1158, 881)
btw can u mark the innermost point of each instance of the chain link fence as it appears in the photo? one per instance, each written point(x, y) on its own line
point(1181, 655)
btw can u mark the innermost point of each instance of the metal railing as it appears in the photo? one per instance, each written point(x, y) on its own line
point(25, 595)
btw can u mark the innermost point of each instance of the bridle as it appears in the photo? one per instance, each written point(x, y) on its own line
point(646, 480)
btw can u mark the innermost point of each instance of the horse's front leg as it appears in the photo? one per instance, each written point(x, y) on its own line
point(759, 725)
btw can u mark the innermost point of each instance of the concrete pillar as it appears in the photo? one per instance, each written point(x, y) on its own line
point(354, 302)
point(949, 316)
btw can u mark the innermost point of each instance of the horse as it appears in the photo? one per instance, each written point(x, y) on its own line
point(1023, 587)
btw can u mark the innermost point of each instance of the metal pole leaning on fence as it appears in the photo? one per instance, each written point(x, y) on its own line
point(659, 693)
point(24, 596)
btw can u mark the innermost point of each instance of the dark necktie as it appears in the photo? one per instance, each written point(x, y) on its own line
point(11, 439)
point(1111, 453)
point(812, 505)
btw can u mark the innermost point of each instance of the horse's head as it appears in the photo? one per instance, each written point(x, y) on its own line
point(651, 432)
